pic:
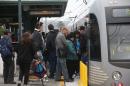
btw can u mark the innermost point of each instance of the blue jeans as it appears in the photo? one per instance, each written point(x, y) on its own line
point(52, 63)
point(61, 68)
point(8, 71)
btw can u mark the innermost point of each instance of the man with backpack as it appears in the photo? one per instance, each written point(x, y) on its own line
point(6, 51)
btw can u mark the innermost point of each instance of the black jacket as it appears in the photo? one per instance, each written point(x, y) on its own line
point(25, 53)
point(37, 41)
point(83, 43)
point(50, 41)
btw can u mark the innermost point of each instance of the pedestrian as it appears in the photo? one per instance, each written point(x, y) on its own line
point(25, 57)
point(72, 57)
point(51, 49)
point(61, 55)
point(83, 40)
point(6, 50)
point(38, 41)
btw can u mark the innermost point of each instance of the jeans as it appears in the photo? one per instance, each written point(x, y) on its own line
point(8, 71)
point(61, 68)
point(52, 63)
point(24, 72)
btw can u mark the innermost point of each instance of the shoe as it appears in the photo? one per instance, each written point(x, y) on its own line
point(12, 82)
point(69, 80)
point(51, 77)
point(72, 79)
point(57, 79)
point(26, 85)
point(5, 82)
point(19, 84)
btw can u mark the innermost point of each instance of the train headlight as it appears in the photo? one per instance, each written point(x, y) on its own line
point(116, 75)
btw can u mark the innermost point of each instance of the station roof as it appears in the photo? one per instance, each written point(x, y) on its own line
point(35, 2)
point(39, 8)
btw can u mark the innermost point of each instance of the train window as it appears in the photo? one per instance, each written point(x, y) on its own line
point(95, 48)
point(119, 42)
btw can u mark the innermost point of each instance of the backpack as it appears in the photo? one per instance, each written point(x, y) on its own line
point(4, 49)
point(39, 68)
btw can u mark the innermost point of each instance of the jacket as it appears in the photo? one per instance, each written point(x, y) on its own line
point(37, 41)
point(50, 42)
point(71, 52)
point(61, 45)
point(25, 53)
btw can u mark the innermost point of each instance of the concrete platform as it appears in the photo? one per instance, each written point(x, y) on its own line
point(51, 82)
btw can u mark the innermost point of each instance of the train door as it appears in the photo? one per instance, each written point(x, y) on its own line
point(97, 76)
point(95, 48)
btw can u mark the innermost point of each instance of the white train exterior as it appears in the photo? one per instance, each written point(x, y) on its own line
point(109, 30)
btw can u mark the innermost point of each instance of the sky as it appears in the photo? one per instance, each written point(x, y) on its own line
point(73, 9)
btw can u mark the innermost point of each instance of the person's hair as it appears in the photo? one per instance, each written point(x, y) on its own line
point(26, 38)
point(6, 32)
point(76, 33)
point(81, 28)
point(70, 35)
point(50, 27)
point(65, 31)
point(38, 25)
point(65, 28)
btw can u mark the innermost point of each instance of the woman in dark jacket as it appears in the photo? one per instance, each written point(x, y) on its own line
point(25, 57)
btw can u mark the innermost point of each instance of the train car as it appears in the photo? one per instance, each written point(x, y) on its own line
point(108, 24)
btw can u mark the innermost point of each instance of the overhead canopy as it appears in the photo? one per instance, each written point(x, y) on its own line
point(39, 8)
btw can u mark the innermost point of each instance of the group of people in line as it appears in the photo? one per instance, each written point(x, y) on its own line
point(61, 48)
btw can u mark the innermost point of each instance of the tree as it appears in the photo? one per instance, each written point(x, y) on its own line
point(2, 30)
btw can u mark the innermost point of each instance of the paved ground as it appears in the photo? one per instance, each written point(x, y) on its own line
point(31, 83)
point(51, 82)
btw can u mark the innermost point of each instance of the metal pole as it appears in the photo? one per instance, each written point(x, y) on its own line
point(20, 19)
point(45, 25)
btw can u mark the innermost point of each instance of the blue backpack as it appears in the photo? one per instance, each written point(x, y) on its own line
point(39, 68)
point(4, 48)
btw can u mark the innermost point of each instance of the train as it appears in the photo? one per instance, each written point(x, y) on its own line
point(107, 24)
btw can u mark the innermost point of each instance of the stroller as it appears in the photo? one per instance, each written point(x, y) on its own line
point(37, 71)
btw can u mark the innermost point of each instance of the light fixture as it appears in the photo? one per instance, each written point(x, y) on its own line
point(116, 75)
point(44, 12)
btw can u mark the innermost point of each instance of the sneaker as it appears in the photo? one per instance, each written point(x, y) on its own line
point(51, 77)
point(72, 79)
point(69, 80)
point(26, 85)
point(12, 82)
point(57, 79)
point(19, 84)
point(5, 82)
